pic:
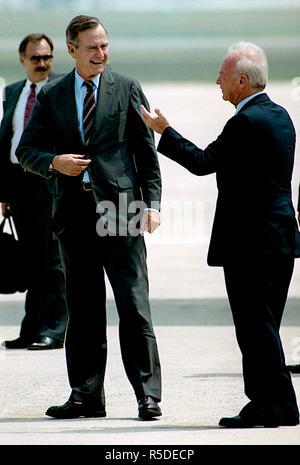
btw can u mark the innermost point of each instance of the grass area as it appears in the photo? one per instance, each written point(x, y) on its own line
point(169, 62)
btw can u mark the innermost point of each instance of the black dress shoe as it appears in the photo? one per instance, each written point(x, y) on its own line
point(148, 408)
point(294, 368)
point(18, 343)
point(45, 343)
point(244, 422)
point(75, 410)
point(289, 421)
point(253, 415)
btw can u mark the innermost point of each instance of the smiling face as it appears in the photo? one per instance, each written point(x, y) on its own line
point(91, 53)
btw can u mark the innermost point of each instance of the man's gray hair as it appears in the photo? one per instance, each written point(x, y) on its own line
point(251, 61)
point(78, 24)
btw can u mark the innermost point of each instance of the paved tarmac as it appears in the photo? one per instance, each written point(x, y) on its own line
point(202, 381)
point(201, 363)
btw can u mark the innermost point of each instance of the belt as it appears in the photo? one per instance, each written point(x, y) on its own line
point(86, 186)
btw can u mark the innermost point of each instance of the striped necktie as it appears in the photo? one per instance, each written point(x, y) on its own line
point(89, 106)
point(30, 103)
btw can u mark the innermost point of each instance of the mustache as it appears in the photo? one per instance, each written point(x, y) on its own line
point(42, 68)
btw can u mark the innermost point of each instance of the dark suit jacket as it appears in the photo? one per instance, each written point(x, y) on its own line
point(122, 149)
point(12, 94)
point(253, 160)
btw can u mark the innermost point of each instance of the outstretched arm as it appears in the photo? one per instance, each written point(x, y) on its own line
point(158, 123)
point(174, 146)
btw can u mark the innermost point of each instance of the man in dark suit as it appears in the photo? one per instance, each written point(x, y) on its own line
point(28, 199)
point(86, 131)
point(255, 232)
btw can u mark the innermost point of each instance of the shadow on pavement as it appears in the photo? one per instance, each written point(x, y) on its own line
point(144, 426)
point(168, 312)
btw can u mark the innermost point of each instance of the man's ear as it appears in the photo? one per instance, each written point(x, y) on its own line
point(22, 61)
point(71, 50)
point(243, 79)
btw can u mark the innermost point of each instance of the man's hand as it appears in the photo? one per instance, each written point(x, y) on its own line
point(70, 164)
point(150, 221)
point(4, 207)
point(158, 123)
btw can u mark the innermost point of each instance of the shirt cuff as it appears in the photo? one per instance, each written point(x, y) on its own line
point(152, 209)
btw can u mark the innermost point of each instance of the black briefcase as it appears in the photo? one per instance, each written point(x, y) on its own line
point(12, 263)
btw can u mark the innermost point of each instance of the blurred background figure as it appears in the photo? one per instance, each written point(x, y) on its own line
point(28, 199)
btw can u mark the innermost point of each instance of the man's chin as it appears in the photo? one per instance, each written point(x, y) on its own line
point(98, 68)
point(41, 75)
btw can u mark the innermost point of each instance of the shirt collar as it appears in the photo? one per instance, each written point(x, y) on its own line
point(39, 85)
point(246, 100)
point(79, 80)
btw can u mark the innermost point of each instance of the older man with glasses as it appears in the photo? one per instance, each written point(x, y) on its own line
point(27, 198)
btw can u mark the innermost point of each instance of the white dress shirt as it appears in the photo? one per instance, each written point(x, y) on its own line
point(18, 117)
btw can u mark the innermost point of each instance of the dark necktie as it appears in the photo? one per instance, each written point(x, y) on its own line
point(30, 103)
point(88, 111)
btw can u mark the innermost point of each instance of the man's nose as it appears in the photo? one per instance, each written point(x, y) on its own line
point(100, 52)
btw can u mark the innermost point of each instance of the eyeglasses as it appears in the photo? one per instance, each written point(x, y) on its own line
point(37, 58)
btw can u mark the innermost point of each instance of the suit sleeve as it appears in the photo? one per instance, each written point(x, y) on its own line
point(5, 136)
point(6, 130)
point(35, 151)
point(226, 148)
point(143, 147)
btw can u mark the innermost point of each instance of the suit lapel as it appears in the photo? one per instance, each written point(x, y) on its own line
point(17, 93)
point(9, 106)
point(13, 100)
point(68, 106)
point(105, 94)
